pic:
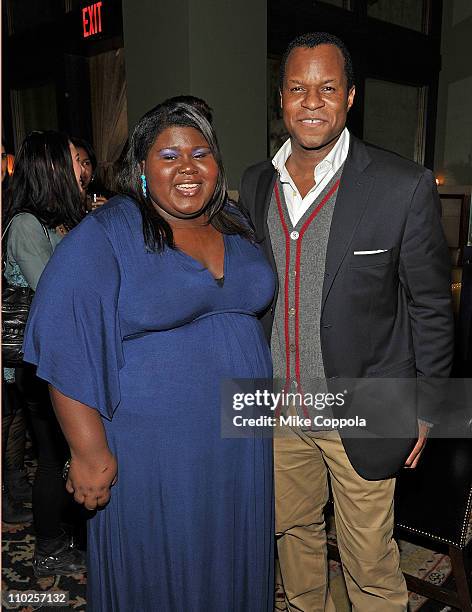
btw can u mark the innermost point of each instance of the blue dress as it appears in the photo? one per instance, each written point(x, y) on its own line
point(146, 339)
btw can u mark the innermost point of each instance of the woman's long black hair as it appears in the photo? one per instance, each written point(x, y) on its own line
point(157, 232)
point(43, 181)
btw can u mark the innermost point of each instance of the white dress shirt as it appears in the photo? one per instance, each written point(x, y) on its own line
point(323, 173)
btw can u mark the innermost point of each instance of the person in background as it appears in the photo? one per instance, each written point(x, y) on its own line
point(16, 488)
point(4, 165)
point(44, 203)
point(157, 309)
point(95, 192)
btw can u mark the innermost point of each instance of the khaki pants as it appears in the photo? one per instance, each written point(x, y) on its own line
point(364, 526)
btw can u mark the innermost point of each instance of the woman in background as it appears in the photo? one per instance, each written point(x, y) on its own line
point(95, 191)
point(44, 203)
point(16, 488)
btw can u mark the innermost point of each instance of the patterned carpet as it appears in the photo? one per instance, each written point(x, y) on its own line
point(415, 560)
point(420, 562)
point(17, 573)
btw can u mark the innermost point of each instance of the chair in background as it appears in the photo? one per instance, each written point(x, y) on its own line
point(433, 504)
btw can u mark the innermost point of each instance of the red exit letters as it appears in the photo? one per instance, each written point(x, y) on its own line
point(92, 19)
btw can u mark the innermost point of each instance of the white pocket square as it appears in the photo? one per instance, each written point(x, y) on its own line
point(370, 252)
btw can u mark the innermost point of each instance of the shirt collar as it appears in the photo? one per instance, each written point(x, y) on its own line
point(334, 160)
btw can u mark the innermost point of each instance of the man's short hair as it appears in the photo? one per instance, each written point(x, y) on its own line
point(313, 39)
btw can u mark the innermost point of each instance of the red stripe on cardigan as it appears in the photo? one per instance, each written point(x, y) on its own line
point(304, 228)
point(286, 283)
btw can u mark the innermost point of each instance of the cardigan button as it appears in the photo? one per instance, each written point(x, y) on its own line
point(292, 348)
point(294, 235)
point(291, 311)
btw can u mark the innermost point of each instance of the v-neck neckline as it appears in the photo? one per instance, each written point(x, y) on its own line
point(203, 268)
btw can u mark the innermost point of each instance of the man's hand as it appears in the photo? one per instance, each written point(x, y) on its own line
point(414, 456)
point(90, 479)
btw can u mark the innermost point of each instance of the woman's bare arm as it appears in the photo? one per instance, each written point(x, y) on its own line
point(93, 468)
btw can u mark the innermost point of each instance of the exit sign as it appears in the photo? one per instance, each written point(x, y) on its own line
point(92, 19)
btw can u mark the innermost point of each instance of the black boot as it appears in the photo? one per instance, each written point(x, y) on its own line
point(14, 511)
point(19, 487)
point(57, 557)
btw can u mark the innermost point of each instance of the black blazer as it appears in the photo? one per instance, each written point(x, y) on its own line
point(386, 314)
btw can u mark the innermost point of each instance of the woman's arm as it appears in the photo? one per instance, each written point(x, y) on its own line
point(93, 468)
point(29, 247)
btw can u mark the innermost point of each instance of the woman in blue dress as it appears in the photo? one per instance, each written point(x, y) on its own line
point(156, 297)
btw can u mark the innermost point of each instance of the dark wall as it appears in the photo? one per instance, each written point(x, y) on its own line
point(47, 47)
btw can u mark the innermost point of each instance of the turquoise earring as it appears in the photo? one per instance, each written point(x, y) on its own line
point(144, 184)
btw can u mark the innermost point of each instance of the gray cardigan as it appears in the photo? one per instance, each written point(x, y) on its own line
point(28, 250)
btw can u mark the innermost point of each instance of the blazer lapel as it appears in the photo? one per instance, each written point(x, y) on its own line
point(264, 189)
point(265, 185)
point(350, 204)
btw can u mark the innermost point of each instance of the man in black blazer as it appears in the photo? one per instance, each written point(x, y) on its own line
point(355, 236)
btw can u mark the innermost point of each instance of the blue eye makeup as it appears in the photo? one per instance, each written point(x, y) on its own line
point(197, 153)
point(168, 153)
point(201, 152)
